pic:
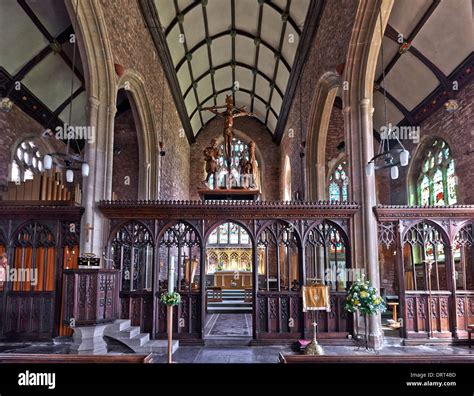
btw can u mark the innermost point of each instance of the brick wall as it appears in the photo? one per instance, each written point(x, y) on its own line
point(133, 48)
point(334, 138)
point(247, 129)
point(126, 164)
point(457, 129)
point(328, 50)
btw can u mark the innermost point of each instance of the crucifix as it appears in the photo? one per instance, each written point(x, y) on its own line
point(231, 111)
point(88, 227)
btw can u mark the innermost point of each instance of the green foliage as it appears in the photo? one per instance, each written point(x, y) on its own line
point(363, 297)
point(168, 298)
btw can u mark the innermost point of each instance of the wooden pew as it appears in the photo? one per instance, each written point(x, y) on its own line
point(376, 359)
point(65, 358)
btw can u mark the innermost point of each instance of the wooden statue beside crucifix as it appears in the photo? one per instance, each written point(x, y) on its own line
point(231, 111)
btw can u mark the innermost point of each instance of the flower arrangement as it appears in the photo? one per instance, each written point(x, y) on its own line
point(172, 298)
point(363, 297)
point(220, 267)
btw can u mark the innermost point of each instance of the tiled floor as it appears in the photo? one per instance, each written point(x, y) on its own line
point(228, 325)
point(244, 354)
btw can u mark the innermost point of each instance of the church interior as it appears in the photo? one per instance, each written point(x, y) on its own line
point(236, 181)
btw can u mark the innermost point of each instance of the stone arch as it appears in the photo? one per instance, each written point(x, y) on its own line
point(134, 85)
point(321, 108)
point(100, 79)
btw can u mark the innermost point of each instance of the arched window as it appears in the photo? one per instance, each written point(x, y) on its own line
point(229, 234)
point(27, 161)
point(240, 151)
point(436, 184)
point(338, 183)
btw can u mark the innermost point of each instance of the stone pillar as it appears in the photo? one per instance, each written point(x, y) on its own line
point(369, 200)
point(98, 185)
point(359, 135)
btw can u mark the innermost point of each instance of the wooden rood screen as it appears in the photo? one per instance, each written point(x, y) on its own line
point(435, 260)
point(37, 252)
point(290, 243)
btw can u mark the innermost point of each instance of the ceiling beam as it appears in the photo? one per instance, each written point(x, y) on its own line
point(152, 21)
point(226, 34)
point(209, 51)
point(63, 105)
point(232, 38)
point(310, 28)
point(190, 66)
point(257, 51)
point(284, 17)
point(237, 64)
point(397, 104)
point(391, 33)
point(175, 20)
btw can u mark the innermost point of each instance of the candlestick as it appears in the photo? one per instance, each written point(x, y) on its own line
point(171, 276)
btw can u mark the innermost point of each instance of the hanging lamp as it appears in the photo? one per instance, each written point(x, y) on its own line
point(387, 157)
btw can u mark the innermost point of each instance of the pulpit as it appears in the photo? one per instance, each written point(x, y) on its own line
point(91, 303)
point(91, 296)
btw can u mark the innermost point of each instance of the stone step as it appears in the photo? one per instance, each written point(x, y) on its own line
point(229, 310)
point(230, 304)
point(227, 341)
point(157, 346)
point(138, 340)
point(119, 325)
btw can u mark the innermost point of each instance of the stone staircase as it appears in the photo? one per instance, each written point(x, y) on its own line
point(233, 301)
point(123, 331)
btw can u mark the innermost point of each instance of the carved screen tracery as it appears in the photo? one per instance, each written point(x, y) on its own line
point(181, 245)
point(132, 252)
point(463, 258)
point(278, 258)
point(423, 244)
point(34, 259)
point(326, 257)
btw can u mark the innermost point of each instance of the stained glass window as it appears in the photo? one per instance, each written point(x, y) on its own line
point(224, 233)
point(234, 233)
point(213, 237)
point(338, 183)
point(437, 182)
point(240, 150)
point(229, 234)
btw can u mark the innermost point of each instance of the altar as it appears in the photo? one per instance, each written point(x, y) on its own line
point(233, 279)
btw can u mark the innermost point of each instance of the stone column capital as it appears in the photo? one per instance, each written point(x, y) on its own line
point(94, 102)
